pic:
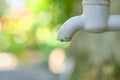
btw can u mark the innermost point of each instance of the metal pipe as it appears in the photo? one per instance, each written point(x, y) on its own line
point(114, 23)
point(95, 19)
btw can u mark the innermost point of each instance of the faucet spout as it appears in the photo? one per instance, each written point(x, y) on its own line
point(70, 27)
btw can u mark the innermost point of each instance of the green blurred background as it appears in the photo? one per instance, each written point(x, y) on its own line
point(29, 27)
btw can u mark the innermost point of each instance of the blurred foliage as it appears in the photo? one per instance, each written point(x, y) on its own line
point(32, 24)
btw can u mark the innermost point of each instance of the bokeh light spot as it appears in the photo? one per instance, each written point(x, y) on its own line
point(56, 61)
point(8, 61)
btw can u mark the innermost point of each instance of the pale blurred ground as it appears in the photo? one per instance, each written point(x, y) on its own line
point(34, 72)
point(10, 69)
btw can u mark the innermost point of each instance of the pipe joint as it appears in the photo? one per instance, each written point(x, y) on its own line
point(96, 2)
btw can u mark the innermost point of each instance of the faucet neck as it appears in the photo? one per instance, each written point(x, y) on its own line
point(96, 2)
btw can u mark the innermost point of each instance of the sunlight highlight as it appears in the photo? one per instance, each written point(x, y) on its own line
point(8, 61)
point(56, 61)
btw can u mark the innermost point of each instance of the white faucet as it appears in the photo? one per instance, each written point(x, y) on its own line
point(95, 19)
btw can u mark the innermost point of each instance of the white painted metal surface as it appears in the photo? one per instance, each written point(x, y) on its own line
point(95, 19)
